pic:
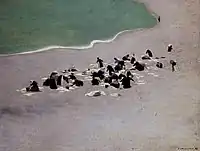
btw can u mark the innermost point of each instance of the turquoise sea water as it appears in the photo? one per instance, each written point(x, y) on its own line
point(28, 25)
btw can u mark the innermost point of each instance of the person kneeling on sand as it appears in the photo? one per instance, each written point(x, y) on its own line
point(95, 81)
point(138, 66)
point(78, 83)
point(149, 53)
point(129, 74)
point(52, 83)
point(159, 65)
point(126, 58)
point(146, 57)
point(33, 87)
point(115, 84)
point(72, 76)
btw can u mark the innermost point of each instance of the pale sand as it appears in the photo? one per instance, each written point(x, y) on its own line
point(162, 114)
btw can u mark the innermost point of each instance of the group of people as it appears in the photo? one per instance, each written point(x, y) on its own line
point(116, 75)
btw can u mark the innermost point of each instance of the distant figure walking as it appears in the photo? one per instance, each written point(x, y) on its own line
point(173, 63)
point(169, 48)
point(100, 62)
point(158, 18)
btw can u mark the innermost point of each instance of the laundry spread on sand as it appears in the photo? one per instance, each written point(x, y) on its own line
point(118, 74)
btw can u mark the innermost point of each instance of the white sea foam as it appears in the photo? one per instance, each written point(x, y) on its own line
point(74, 47)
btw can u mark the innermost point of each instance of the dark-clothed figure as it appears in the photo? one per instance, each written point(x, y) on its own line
point(66, 79)
point(118, 67)
point(129, 74)
point(54, 75)
point(46, 82)
point(139, 66)
point(52, 83)
point(116, 60)
point(121, 76)
point(114, 76)
point(95, 81)
point(146, 57)
point(72, 69)
point(159, 65)
point(149, 53)
point(169, 48)
point(115, 84)
point(126, 58)
point(101, 74)
point(108, 80)
point(122, 63)
point(59, 80)
point(72, 76)
point(158, 18)
point(173, 63)
point(110, 69)
point(126, 82)
point(33, 87)
point(78, 83)
point(100, 62)
point(133, 60)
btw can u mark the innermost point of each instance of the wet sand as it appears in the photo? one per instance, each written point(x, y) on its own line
point(162, 114)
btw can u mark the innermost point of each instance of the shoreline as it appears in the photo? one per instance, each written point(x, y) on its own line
point(93, 42)
point(49, 48)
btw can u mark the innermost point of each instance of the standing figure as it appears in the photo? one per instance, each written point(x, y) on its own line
point(126, 82)
point(158, 18)
point(173, 63)
point(100, 62)
point(169, 48)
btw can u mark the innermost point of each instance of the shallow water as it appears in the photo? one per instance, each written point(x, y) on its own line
point(28, 25)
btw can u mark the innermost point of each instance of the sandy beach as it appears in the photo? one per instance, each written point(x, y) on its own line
point(163, 114)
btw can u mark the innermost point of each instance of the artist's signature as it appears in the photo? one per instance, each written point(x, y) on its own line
point(187, 149)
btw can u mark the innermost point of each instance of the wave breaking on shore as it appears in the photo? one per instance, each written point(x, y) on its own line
point(75, 47)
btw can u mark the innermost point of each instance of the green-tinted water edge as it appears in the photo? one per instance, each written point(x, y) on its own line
point(30, 25)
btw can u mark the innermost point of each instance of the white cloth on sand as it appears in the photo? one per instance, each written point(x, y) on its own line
point(95, 93)
point(115, 95)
